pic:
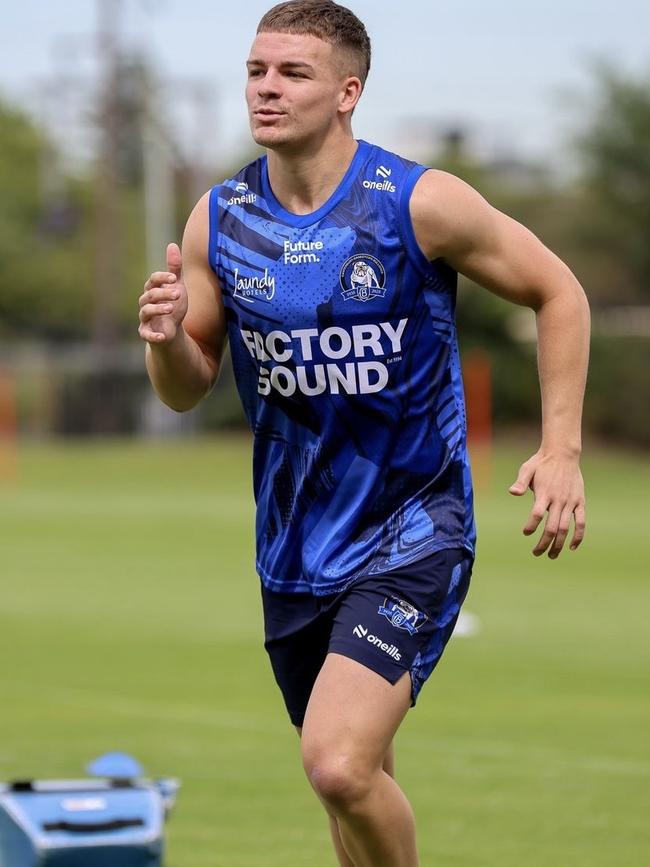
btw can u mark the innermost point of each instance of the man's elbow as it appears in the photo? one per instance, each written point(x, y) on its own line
point(181, 407)
point(183, 399)
point(578, 299)
point(564, 290)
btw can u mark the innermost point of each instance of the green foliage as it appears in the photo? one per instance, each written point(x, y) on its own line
point(45, 264)
point(48, 239)
point(617, 405)
point(615, 148)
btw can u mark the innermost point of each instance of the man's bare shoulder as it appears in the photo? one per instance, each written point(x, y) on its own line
point(205, 320)
point(443, 208)
point(197, 230)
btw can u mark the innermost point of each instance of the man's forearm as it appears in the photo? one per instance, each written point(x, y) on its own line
point(180, 372)
point(563, 355)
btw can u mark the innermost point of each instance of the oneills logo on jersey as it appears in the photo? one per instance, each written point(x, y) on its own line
point(385, 185)
point(244, 197)
point(363, 278)
point(402, 615)
point(254, 288)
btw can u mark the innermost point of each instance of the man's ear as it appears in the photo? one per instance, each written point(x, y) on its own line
point(351, 90)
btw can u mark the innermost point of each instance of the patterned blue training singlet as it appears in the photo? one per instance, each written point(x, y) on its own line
point(343, 343)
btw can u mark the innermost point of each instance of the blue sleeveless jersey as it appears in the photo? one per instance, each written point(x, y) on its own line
point(343, 343)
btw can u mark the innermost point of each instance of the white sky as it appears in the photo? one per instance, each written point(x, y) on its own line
point(499, 65)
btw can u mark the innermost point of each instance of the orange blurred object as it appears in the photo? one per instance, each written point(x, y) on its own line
point(477, 375)
point(8, 428)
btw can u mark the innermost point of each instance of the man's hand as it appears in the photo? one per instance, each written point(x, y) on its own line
point(558, 488)
point(163, 304)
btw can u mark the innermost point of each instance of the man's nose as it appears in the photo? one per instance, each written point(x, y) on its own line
point(269, 85)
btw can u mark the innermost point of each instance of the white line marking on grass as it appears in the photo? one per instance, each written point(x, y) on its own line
point(168, 712)
point(54, 506)
point(468, 748)
point(549, 756)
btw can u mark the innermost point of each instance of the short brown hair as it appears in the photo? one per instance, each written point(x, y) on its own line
point(327, 21)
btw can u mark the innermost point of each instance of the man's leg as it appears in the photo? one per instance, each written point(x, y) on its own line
point(351, 718)
point(341, 854)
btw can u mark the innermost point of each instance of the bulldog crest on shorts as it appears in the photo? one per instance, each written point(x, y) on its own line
point(402, 614)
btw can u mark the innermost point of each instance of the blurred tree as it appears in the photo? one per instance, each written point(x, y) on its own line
point(615, 151)
point(44, 236)
point(482, 316)
point(49, 231)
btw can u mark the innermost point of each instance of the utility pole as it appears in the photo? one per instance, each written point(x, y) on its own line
point(158, 160)
point(162, 156)
point(108, 247)
point(201, 98)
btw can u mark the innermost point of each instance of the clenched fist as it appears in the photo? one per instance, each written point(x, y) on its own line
point(163, 304)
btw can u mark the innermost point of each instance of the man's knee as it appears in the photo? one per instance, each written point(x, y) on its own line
point(339, 778)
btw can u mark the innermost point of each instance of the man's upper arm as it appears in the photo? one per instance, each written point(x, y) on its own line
point(205, 321)
point(454, 222)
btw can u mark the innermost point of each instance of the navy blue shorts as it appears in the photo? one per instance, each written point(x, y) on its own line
point(391, 623)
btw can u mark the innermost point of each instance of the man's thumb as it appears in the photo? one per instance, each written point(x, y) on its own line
point(174, 259)
point(522, 484)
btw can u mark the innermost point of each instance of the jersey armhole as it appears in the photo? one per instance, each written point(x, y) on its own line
point(406, 224)
point(213, 229)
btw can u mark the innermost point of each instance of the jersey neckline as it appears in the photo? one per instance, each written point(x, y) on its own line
point(302, 220)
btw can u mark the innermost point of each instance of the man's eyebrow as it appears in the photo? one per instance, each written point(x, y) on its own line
point(297, 63)
point(286, 64)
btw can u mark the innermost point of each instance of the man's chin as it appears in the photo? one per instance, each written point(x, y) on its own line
point(268, 138)
point(271, 137)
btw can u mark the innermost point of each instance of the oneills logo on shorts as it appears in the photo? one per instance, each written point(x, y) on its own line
point(390, 649)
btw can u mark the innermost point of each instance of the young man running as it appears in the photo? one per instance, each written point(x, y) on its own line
point(330, 265)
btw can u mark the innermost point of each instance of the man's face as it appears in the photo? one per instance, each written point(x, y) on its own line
point(294, 89)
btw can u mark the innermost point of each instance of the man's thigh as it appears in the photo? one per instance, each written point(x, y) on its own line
point(353, 713)
point(391, 624)
point(402, 620)
point(297, 629)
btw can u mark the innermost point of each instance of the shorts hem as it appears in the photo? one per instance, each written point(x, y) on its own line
point(367, 662)
point(296, 719)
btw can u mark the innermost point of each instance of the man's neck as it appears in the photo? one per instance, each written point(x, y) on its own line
point(303, 181)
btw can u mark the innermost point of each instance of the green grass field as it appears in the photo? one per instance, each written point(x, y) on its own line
point(129, 619)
